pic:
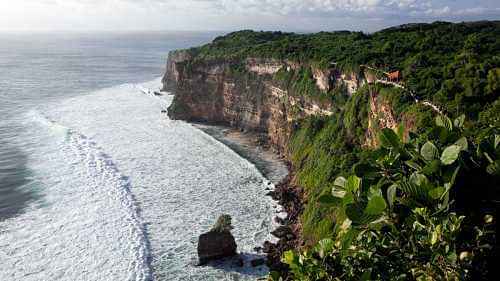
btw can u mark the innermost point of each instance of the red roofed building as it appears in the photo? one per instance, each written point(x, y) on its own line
point(394, 76)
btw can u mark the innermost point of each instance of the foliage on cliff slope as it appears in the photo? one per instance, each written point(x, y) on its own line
point(404, 213)
point(417, 208)
point(454, 65)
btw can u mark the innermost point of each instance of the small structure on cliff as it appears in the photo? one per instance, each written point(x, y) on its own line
point(394, 76)
point(218, 242)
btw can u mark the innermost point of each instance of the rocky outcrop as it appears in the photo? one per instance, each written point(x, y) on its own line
point(174, 68)
point(215, 245)
point(263, 66)
point(218, 242)
point(323, 79)
point(381, 115)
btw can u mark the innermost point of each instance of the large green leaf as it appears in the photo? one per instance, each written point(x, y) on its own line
point(401, 132)
point(459, 121)
point(324, 247)
point(413, 164)
point(419, 179)
point(416, 187)
point(437, 192)
point(346, 241)
point(353, 184)
point(290, 258)
point(355, 213)
point(389, 139)
point(432, 167)
point(494, 168)
point(348, 199)
point(429, 151)
point(367, 275)
point(340, 182)
point(328, 199)
point(338, 193)
point(450, 154)
point(391, 195)
point(365, 170)
point(444, 121)
point(376, 206)
point(462, 142)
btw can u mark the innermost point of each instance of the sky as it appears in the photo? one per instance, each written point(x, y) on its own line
point(229, 15)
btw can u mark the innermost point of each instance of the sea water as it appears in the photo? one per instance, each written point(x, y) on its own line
point(96, 183)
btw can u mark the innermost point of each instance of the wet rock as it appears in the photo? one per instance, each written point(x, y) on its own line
point(270, 194)
point(218, 243)
point(268, 247)
point(215, 245)
point(282, 232)
point(258, 262)
point(279, 220)
point(239, 262)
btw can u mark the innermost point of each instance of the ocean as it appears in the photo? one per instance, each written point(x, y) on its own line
point(96, 183)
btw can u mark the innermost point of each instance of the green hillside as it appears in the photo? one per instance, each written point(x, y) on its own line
point(420, 205)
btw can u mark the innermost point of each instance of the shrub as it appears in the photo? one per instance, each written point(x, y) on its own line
point(396, 215)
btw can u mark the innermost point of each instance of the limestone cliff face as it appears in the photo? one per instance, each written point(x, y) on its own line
point(174, 68)
point(251, 99)
point(381, 115)
point(211, 91)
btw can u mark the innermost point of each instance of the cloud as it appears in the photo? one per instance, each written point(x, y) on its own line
point(234, 14)
point(372, 8)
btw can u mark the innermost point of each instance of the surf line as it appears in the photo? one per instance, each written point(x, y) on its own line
point(103, 171)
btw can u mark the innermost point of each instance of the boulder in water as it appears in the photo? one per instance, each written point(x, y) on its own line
point(218, 243)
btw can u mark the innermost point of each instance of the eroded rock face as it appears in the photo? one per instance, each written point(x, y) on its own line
point(215, 245)
point(210, 91)
point(263, 66)
point(322, 79)
point(381, 115)
point(174, 68)
point(352, 81)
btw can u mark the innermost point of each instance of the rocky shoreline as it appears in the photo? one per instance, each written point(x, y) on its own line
point(289, 196)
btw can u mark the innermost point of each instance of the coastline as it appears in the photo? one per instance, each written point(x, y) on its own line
point(253, 147)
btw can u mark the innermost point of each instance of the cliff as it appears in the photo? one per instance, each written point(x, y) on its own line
point(252, 97)
point(322, 101)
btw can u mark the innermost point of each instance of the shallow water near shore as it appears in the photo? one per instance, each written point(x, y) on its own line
point(111, 189)
point(247, 145)
point(129, 191)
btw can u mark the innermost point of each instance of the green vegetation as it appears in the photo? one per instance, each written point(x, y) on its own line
point(409, 211)
point(223, 224)
point(421, 203)
point(454, 65)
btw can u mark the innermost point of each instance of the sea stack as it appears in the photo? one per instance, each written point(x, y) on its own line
point(218, 242)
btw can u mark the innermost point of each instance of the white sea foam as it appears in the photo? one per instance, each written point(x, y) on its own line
point(97, 224)
point(101, 168)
